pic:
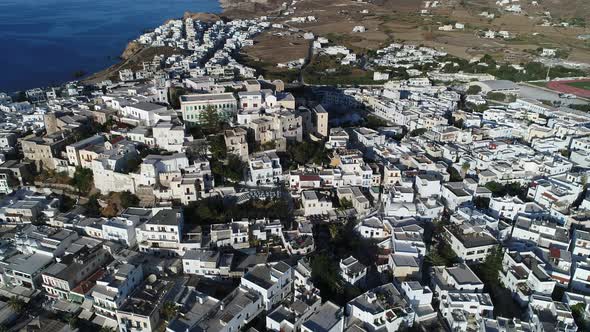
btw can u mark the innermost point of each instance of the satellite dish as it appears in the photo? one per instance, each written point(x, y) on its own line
point(152, 278)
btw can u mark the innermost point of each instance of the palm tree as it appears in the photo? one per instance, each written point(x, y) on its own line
point(334, 233)
point(465, 167)
point(169, 310)
point(17, 304)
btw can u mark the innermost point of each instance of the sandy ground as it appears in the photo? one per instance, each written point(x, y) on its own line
point(291, 47)
point(399, 20)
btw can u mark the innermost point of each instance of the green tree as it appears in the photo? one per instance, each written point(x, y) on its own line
point(83, 180)
point(511, 189)
point(325, 274)
point(217, 147)
point(497, 96)
point(174, 94)
point(566, 153)
point(234, 169)
point(307, 152)
point(579, 313)
point(516, 189)
point(231, 169)
point(197, 149)
point(442, 255)
point(374, 122)
point(334, 232)
point(196, 131)
point(435, 259)
point(206, 212)
point(454, 175)
point(345, 204)
point(17, 304)
point(580, 107)
point(490, 268)
point(562, 54)
point(128, 199)
point(487, 59)
point(132, 165)
point(481, 202)
point(418, 132)
point(496, 188)
point(465, 167)
point(270, 145)
point(210, 120)
point(169, 311)
point(473, 90)
point(92, 206)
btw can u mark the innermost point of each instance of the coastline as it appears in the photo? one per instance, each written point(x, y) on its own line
point(64, 49)
point(134, 50)
point(229, 9)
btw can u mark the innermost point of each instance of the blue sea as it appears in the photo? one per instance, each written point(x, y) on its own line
point(43, 42)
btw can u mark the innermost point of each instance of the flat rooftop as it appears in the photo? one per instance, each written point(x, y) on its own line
point(207, 97)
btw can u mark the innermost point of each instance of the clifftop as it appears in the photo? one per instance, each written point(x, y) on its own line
point(246, 8)
point(132, 48)
point(205, 17)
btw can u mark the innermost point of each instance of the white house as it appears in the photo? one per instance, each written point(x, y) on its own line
point(382, 308)
point(315, 203)
point(272, 281)
point(352, 271)
point(580, 281)
point(428, 185)
point(523, 273)
point(162, 233)
point(144, 113)
point(114, 287)
point(328, 318)
point(471, 244)
point(206, 263)
point(459, 308)
point(121, 230)
point(264, 168)
point(454, 194)
point(420, 299)
point(458, 278)
point(372, 228)
point(581, 243)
